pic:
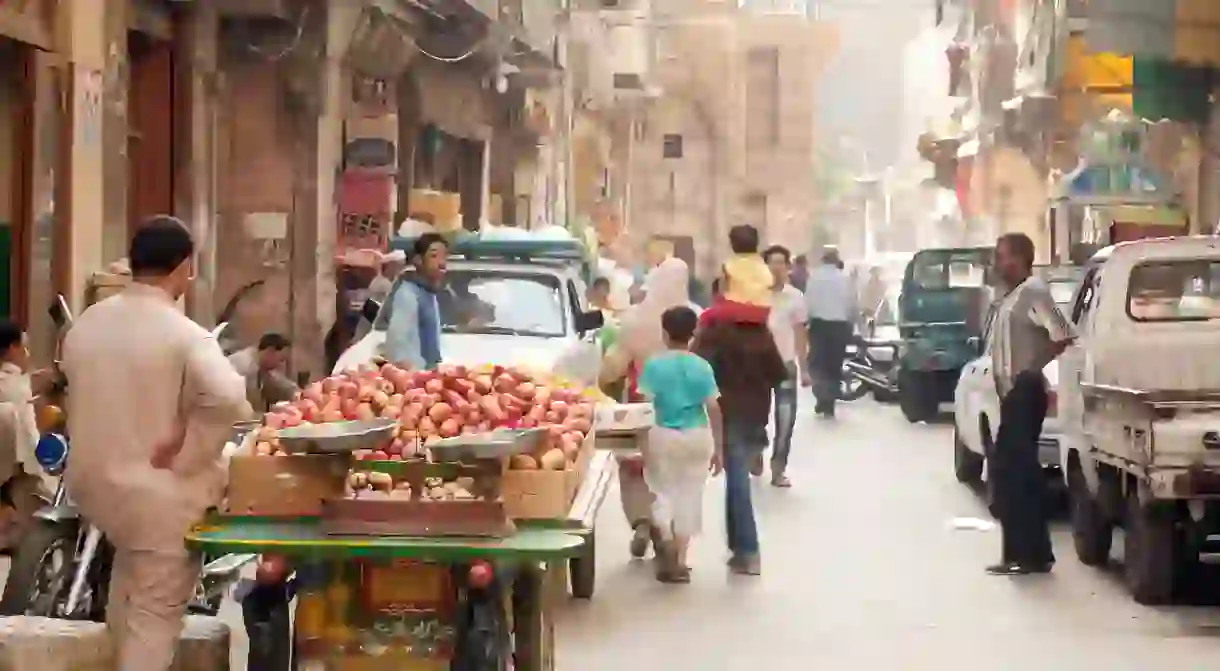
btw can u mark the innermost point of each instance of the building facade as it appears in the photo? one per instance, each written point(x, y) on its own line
point(252, 120)
point(709, 123)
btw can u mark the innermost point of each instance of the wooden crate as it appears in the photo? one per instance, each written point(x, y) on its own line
point(543, 494)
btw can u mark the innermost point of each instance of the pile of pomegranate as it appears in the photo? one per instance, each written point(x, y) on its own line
point(449, 401)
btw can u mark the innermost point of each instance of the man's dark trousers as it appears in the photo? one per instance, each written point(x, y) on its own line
point(828, 346)
point(1019, 497)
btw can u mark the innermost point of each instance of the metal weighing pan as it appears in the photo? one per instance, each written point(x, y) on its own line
point(492, 445)
point(337, 437)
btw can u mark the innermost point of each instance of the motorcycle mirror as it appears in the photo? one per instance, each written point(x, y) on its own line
point(590, 320)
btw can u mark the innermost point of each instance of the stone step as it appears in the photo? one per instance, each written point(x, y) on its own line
point(44, 644)
point(203, 646)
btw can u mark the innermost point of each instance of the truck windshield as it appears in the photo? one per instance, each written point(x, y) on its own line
point(951, 270)
point(1174, 291)
point(499, 302)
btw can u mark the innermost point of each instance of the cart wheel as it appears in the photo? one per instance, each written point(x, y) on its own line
point(582, 569)
point(533, 631)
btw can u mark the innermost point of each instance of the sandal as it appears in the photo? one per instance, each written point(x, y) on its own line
point(668, 569)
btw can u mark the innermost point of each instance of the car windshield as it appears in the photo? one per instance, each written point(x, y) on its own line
point(936, 271)
point(502, 302)
point(1174, 291)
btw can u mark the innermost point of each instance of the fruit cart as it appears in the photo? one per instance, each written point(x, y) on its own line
point(446, 578)
point(509, 608)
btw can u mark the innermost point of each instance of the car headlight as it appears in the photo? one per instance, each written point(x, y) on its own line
point(51, 452)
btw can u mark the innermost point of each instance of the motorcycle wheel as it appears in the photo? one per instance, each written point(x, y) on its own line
point(852, 388)
point(41, 571)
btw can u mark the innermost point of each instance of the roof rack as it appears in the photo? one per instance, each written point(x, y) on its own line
point(473, 247)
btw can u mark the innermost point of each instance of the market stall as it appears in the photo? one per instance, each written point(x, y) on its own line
point(427, 516)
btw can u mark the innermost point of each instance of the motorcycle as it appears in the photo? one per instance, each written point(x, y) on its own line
point(863, 374)
point(61, 567)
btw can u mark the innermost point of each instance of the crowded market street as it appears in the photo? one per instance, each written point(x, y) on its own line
point(863, 570)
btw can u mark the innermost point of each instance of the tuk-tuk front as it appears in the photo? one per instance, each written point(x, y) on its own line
point(944, 298)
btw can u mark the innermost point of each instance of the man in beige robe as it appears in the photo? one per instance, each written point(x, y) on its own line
point(152, 400)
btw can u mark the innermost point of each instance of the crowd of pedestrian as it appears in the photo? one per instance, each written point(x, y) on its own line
point(717, 381)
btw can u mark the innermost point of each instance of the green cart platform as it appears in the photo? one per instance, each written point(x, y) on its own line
point(532, 553)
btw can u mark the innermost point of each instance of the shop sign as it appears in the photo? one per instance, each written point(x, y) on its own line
point(28, 21)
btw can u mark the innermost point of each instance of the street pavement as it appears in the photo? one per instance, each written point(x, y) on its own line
point(863, 570)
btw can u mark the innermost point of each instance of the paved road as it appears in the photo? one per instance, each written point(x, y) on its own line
point(862, 571)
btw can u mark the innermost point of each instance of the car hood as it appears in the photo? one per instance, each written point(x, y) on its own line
point(472, 349)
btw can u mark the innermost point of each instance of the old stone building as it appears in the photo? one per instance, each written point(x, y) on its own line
point(719, 130)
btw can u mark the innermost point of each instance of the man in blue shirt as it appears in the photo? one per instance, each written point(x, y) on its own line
point(413, 334)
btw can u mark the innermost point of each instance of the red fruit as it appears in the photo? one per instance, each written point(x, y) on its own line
point(483, 384)
point(505, 383)
point(349, 390)
point(526, 390)
point(434, 386)
point(480, 575)
point(271, 569)
point(380, 455)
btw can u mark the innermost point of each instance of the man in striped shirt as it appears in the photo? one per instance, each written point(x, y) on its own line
point(1029, 331)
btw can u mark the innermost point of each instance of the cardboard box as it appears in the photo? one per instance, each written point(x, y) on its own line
point(623, 417)
point(288, 486)
point(544, 495)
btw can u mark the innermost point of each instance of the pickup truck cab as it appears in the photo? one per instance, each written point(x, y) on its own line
point(1139, 410)
point(513, 303)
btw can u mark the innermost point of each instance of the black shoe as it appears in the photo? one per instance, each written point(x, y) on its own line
point(1043, 567)
point(1010, 568)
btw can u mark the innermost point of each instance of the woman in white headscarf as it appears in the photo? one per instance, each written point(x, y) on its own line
point(639, 338)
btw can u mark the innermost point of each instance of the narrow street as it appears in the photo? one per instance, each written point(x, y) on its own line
point(862, 571)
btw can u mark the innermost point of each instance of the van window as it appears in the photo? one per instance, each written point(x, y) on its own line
point(1174, 291)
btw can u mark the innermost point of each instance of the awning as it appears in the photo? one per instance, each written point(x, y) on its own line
point(1181, 31)
point(1151, 87)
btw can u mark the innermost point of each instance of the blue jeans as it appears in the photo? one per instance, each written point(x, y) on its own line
point(741, 445)
point(785, 422)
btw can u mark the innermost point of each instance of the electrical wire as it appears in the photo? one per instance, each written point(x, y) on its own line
point(296, 40)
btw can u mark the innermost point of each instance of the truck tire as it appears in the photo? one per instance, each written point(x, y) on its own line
point(917, 396)
point(582, 569)
point(1092, 532)
point(967, 466)
point(1151, 546)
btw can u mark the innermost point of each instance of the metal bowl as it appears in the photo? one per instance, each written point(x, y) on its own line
point(337, 437)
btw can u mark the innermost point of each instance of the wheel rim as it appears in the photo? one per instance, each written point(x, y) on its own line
point(49, 581)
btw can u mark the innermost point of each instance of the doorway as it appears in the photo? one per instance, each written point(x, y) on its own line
point(150, 156)
point(16, 128)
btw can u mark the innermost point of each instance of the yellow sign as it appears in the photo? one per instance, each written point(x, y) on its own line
point(406, 584)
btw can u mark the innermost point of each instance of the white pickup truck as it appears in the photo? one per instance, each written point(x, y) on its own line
point(1139, 411)
point(509, 309)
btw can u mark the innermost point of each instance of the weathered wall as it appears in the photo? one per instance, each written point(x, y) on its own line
point(726, 174)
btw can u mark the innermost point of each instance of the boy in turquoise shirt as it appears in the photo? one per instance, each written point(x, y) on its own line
point(685, 443)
